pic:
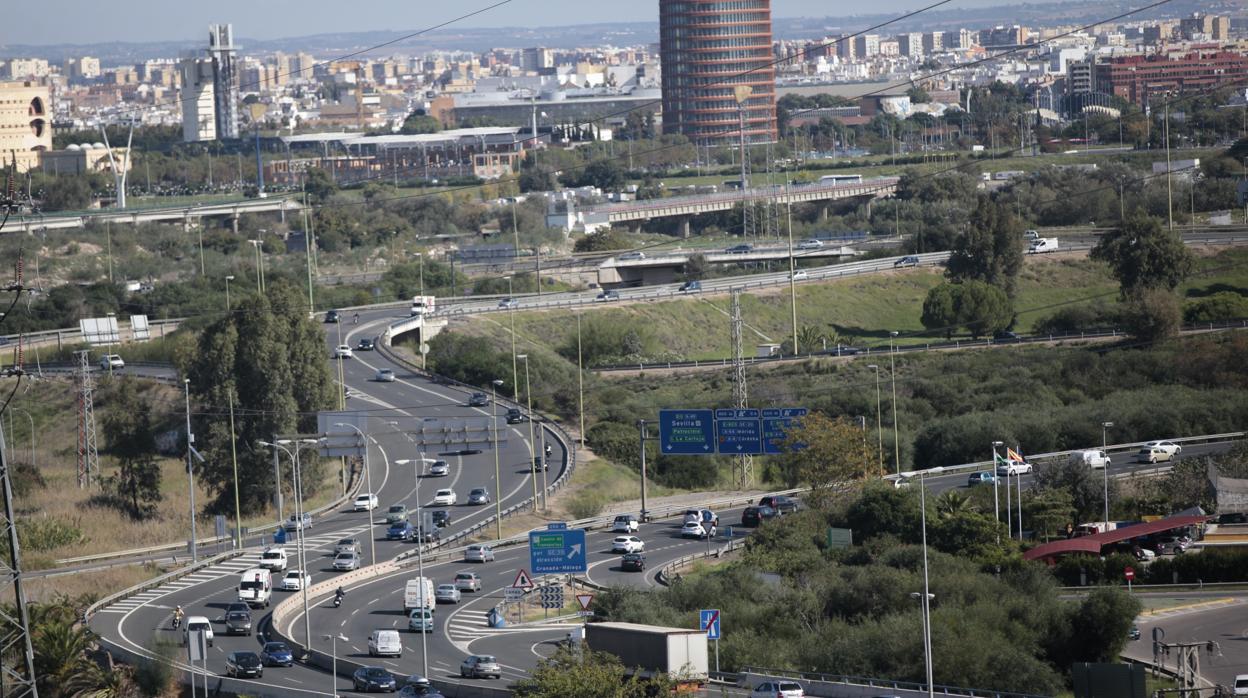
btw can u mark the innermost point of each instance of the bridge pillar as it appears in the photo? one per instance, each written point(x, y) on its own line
point(823, 213)
point(684, 226)
point(234, 223)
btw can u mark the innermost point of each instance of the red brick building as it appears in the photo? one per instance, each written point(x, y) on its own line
point(1144, 78)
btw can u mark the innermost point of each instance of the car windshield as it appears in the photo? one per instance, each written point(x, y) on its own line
point(397, 508)
point(375, 673)
point(487, 659)
point(345, 556)
point(275, 647)
point(463, 576)
point(247, 659)
point(238, 615)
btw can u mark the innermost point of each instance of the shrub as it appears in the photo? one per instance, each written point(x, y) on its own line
point(1224, 305)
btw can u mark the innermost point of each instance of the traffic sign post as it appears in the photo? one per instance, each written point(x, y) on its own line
point(584, 600)
point(513, 594)
point(557, 551)
point(1129, 573)
point(687, 432)
point(708, 620)
point(738, 431)
point(552, 596)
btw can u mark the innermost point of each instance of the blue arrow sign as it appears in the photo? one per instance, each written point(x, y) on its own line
point(557, 551)
point(687, 432)
point(708, 620)
point(775, 423)
point(738, 431)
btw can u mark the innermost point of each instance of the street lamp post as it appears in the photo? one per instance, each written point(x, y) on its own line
point(879, 432)
point(296, 483)
point(892, 370)
point(498, 482)
point(996, 496)
point(421, 257)
point(190, 467)
point(511, 316)
point(529, 399)
point(420, 544)
point(228, 279)
point(1104, 441)
point(32, 434)
point(368, 482)
point(333, 654)
point(927, 595)
point(256, 244)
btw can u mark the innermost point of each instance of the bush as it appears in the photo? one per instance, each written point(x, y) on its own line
point(1152, 315)
point(586, 504)
point(618, 443)
point(1224, 305)
point(1078, 318)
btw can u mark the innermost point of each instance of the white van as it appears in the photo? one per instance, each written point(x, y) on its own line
point(255, 587)
point(385, 643)
point(1092, 459)
point(194, 623)
point(419, 594)
point(273, 559)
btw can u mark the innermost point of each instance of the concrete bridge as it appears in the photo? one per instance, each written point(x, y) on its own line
point(189, 215)
point(602, 215)
point(665, 268)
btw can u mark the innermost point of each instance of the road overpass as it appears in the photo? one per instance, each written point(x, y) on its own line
point(664, 268)
point(697, 204)
point(189, 215)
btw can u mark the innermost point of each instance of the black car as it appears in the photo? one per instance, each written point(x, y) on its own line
point(845, 350)
point(739, 249)
point(365, 345)
point(1234, 517)
point(1134, 632)
point(906, 262)
point(633, 562)
point(478, 400)
point(691, 286)
point(767, 513)
point(441, 518)
point(244, 665)
point(1006, 337)
point(750, 518)
point(277, 654)
point(779, 502)
point(238, 606)
point(373, 678)
point(433, 535)
point(332, 316)
point(515, 416)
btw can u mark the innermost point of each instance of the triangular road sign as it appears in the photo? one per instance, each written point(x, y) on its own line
point(584, 600)
point(523, 580)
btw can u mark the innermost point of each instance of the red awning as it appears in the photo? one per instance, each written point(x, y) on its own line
point(1094, 543)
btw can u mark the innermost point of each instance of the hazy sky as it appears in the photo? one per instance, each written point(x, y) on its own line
point(96, 21)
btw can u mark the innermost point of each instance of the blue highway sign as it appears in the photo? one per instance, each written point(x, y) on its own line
point(775, 423)
point(738, 431)
point(686, 432)
point(708, 620)
point(557, 551)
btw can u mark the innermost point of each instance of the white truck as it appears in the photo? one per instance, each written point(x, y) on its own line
point(418, 594)
point(1041, 245)
point(423, 305)
point(255, 587)
point(650, 649)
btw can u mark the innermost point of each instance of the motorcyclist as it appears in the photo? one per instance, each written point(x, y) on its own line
point(355, 319)
point(178, 614)
point(339, 594)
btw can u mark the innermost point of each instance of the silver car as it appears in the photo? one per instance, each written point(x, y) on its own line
point(446, 593)
point(478, 553)
point(478, 495)
point(479, 666)
point(346, 562)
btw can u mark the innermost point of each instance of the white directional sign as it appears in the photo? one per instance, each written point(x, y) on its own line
point(513, 594)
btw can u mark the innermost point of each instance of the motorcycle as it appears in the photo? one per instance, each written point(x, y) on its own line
point(337, 601)
point(176, 622)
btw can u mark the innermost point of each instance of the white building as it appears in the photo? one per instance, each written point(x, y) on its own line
point(199, 120)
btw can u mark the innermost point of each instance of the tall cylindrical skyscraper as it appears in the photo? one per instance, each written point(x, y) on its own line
point(708, 48)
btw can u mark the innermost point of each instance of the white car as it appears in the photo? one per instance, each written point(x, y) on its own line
point(440, 468)
point(1168, 446)
point(811, 244)
point(365, 502)
point(343, 351)
point(478, 553)
point(1241, 685)
point(200, 623)
point(779, 689)
point(1014, 467)
point(467, 581)
point(446, 593)
point(384, 375)
point(625, 523)
point(444, 498)
point(295, 580)
point(799, 275)
point(693, 529)
point(628, 544)
point(112, 362)
point(273, 559)
point(627, 256)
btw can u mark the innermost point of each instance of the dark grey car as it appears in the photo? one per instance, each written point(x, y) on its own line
point(238, 623)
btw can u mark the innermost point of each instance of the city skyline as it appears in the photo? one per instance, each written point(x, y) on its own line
point(43, 24)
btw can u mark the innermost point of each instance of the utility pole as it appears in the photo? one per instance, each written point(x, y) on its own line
point(740, 393)
point(88, 452)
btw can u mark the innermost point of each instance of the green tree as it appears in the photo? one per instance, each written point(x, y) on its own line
point(268, 359)
point(604, 241)
point(319, 185)
point(583, 673)
point(420, 122)
point(66, 193)
point(940, 309)
point(1142, 255)
point(983, 309)
point(131, 438)
point(991, 249)
point(826, 454)
point(604, 173)
point(1223, 305)
point(536, 176)
point(1152, 314)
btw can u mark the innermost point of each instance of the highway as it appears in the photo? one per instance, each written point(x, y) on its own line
point(1226, 625)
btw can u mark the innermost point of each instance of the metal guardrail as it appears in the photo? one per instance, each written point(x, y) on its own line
point(869, 682)
point(156, 582)
point(664, 575)
point(73, 335)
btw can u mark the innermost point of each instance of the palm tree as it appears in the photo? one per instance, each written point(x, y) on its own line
point(95, 681)
point(952, 502)
point(60, 655)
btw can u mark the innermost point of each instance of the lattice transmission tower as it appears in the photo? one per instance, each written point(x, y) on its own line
point(88, 452)
point(740, 394)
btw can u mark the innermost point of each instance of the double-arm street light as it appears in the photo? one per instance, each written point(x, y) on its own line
point(498, 482)
point(296, 484)
point(368, 482)
point(996, 496)
point(421, 532)
point(926, 596)
point(1105, 471)
point(528, 394)
point(334, 659)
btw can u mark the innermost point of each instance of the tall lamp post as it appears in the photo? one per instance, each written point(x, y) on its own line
point(1104, 441)
point(228, 279)
point(190, 467)
point(420, 543)
point(296, 483)
point(892, 370)
point(996, 495)
point(333, 654)
point(879, 431)
point(926, 596)
point(368, 482)
point(259, 264)
point(511, 316)
point(498, 482)
point(421, 257)
point(528, 394)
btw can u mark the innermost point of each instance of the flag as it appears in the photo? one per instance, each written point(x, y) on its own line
point(997, 459)
point(1013, 455)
